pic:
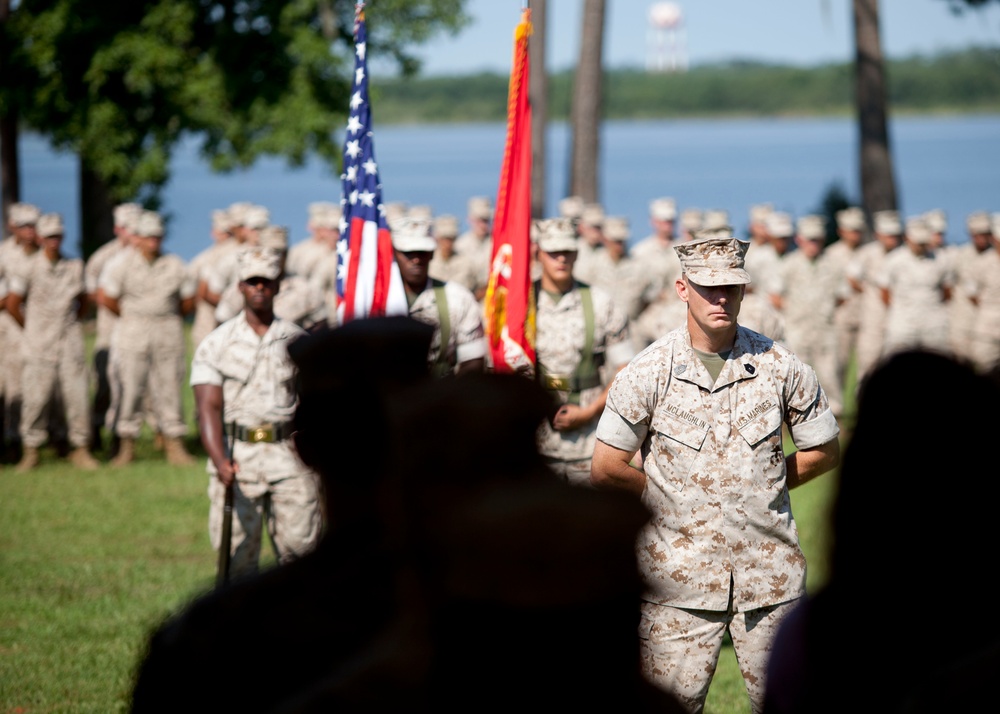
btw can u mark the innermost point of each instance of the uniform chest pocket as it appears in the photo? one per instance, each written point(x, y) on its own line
point(677, 443)
point(761, 426)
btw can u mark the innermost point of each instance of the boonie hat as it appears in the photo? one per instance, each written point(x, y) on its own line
point(714, 258)
point(273, 237)
point(149, 223)
point(556, 234)
point(851, 219)
point(616, 228)
point(446, 226)
point(23, 214)
point(887, 223)
point(48, 225)
point(918, 231)
point(663, 209)
point(259, 262)
point(410, 235)
point(811, 227)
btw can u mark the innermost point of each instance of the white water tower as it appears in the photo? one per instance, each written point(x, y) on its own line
point(667, 50)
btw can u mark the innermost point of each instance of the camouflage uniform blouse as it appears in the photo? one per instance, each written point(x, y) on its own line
point(715, 468)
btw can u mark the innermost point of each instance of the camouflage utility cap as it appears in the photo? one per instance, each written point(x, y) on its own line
point(851, 219)
point(918, 231)
point(555, 235)
point(259, 262)
point(616, 228)
point(23, 214)
point(446, 226)
point(888, 223)
point(413, 235)
point(714, 258)
point(937, 220)
point(149, 224)
point(811, 227)
point(49, 224)
point(663, 209)
point(978, 222)
point(275, 237)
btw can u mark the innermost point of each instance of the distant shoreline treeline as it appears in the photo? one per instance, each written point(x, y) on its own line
point(965, 81)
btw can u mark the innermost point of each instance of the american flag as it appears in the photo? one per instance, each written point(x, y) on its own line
point(368, 279)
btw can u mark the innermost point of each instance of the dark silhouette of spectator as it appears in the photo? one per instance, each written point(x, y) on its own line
point(913, 533)
point(258, 642)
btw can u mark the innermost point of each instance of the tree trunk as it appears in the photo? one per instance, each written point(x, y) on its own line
point(538, 92)
point(10, 164)
point(587, 105)
point(878, 186)
point(96, 211)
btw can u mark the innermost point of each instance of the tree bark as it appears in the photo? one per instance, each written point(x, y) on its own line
point(587, 105)
point(878, 185)
point(538, 92)
point(10, 162)
point(96, 211)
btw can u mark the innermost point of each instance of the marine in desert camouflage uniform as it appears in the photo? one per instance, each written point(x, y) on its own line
point(862, 274)
point(15, 251)
point(916, 288)
point(459, 342)
point(244, 385)
point(703, 409)
point(106, 386)
point(151, 291)
point(298, 300)
point(582, 340)
point(52, 345)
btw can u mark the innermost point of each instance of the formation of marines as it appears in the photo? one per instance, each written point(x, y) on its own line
point(840, 297)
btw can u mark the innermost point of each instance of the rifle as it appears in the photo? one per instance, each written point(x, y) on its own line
point(222, 576)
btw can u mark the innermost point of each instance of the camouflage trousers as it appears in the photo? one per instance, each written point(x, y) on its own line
point(680, 648)
point(12, 362)
point(43, 381)
point(291, 508)
point(145, 379)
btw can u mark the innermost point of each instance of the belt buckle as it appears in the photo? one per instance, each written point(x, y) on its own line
point(558, 381)
point(264, 432)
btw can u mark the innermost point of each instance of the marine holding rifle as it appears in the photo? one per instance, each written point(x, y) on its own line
point(244, 387)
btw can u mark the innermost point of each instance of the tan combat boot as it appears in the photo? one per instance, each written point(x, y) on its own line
point(29, 459)
point(126, 452)
point(176, 453)
point(82, 459)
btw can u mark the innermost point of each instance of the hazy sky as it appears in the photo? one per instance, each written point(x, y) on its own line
point(796, 31)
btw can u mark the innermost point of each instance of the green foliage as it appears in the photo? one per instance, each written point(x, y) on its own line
point(957, 81)
point(120, 84)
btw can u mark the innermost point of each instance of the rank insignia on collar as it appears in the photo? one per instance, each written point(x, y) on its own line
point(680, 369)
point(749, 368)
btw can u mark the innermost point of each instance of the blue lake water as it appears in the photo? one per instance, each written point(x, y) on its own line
point(948, 162)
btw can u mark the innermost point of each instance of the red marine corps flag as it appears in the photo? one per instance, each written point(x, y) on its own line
point(509, 303)
point(368, 279)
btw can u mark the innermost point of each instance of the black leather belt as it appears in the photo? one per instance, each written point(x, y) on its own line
point(262, 433)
